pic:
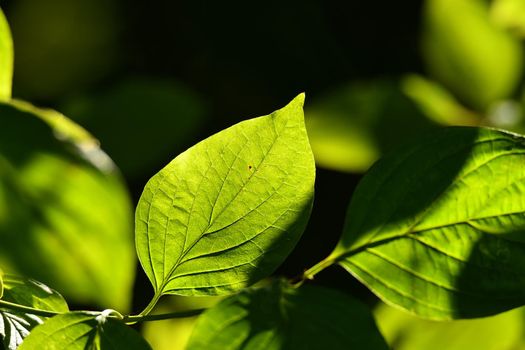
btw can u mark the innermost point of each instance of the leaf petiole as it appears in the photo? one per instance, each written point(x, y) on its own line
point(126, 319)
point(159, 317)
point(310, 273)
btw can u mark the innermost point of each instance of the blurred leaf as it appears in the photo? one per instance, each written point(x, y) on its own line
point(14, 325)
point(282, 317)
point(61, 45)
point(65, 215)
point(141, 122)
point(352, 126)
point(80, 331)
point(436, 228)
point(6, 59)
point(174, 334)
point(406, 332)
point(509, 14)
point(506, 114)
point(437, 103)
point(479, 62)
point(225, 213)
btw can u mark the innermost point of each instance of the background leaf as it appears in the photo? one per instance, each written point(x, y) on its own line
point(76, 330)
point(6, 59)
point(407, 332)
point(462, 49)
point(65, 215)
point(282, 317)
point(437, 228)
point(225, 213)
point(174, 333)
point(351, 127)
point(15, 325)
point(509, 14)
point(437, 103)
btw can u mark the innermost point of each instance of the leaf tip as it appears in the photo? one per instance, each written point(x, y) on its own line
point(299, 99)
point(296, 104)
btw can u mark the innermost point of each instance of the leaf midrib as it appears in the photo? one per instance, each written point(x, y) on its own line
point(430, 207)
point(257, 169)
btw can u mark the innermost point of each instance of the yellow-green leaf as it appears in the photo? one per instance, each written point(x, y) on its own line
point(6, 59)
point(65, 214)
point(478, 61)
point(282, 317)
point(225, 213)
point(438, 227)
point(16, 325)
point(81, 331)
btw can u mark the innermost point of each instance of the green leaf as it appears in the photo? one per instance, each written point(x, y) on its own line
point(478, 61)
point(437, 228)
point(65, 214)
point(76, 330)
point(509, 14)
point(407, 332)
point(282, 317)
point(6, 59)
point(225, 213)
point(350, 127)
point(15, 325)
point(32, 293)
point(437, 103)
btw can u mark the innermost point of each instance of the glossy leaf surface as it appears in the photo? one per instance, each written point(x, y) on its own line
point(6, 59)
point(225, 213)
point(65, 214)
point(16, 325)
point(282, 317)
point(80, 331)
point(438, 227)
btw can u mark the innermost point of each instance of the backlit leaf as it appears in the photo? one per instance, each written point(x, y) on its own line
point(438, 227)
point(282, 317)
point(407, 332)
point(80, 331)
point(437, 103)
point(65, 215)
point(352, 126)
point(509, 14)
point(467, 53)
point(16, 325)
point(6, 59)
point(225, 213)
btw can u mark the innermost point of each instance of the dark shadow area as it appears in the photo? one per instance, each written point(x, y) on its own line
point(399, 189)
point(492, 279)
